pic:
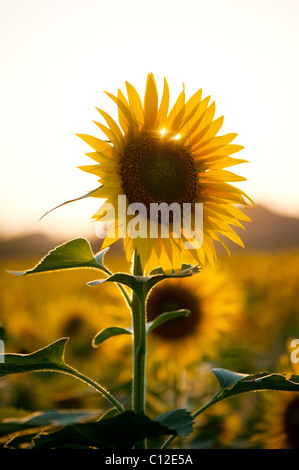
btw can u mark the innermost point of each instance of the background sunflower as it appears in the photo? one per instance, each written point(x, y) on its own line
point(278, 423)
point(216, 304)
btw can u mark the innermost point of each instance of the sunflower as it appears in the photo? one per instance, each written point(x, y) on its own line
point(218, 427)
point(160, 156)
point(215, 303)
point(80, 318)
point(279, 428)
point(279, 424)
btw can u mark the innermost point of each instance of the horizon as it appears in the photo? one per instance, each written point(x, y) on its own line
point(89, 227)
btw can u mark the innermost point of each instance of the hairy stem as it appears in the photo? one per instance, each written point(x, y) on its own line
point(95, 385)
point(121, 288)
point(139, 348)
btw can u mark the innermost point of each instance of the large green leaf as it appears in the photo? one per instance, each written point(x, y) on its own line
point(180, 420)
point(232, 383)
point(119, 432)
point(46, 418)
point(50, 358)
point(73, 254)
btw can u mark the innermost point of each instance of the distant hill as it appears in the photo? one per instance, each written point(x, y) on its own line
point(267, 231)
point(34, 244)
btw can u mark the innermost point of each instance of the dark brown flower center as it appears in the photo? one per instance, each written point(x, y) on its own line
point(168, 297)
point(73, 325)
point(291, 423)
point(156, 170)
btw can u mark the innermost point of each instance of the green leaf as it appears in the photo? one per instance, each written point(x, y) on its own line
point(119, 432)
point(227, 378)
point(46, 418)
point(178, 420)
point(108, 333)
point(50, 358)
point(73, 254)
point(164, 317)
point(232, 383)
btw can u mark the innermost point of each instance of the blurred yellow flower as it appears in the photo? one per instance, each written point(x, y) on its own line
point(279, 425)
point(217, 428)
point(159, 156)
point(215, 302)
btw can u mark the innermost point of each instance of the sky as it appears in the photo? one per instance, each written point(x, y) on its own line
point(57, 57)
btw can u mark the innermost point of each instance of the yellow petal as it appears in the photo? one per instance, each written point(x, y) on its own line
point(193, 103)
point(97, 170)
point(96, 144)
point(129, 247)
point(176, 114)
point(112, 180)
point(192, 125)
point(111, 136)
point(125, 118)
point(222, 175)
point(104, 192)
point(109, 162)
point(203, 126)
point(224, 162)
point(215, 144)
point(112, 124)
point(150, 102)
point(111, 237)
point(135, 104)
point(164, 105)
point(228, 210)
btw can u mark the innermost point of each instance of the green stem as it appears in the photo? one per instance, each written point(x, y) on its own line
point(139, 347)
point(98, 387)
point(121, 288)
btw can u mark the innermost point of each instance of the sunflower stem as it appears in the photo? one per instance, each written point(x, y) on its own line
point(121, 287)
point(139, 347)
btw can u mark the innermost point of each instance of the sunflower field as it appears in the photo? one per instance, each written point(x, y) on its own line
point(244, 316)
point(166, 343)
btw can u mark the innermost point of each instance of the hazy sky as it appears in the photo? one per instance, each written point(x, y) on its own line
point(58, 57)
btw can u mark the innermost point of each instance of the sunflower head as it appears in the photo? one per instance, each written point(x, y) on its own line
point(157, 155)
point(215, 304)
